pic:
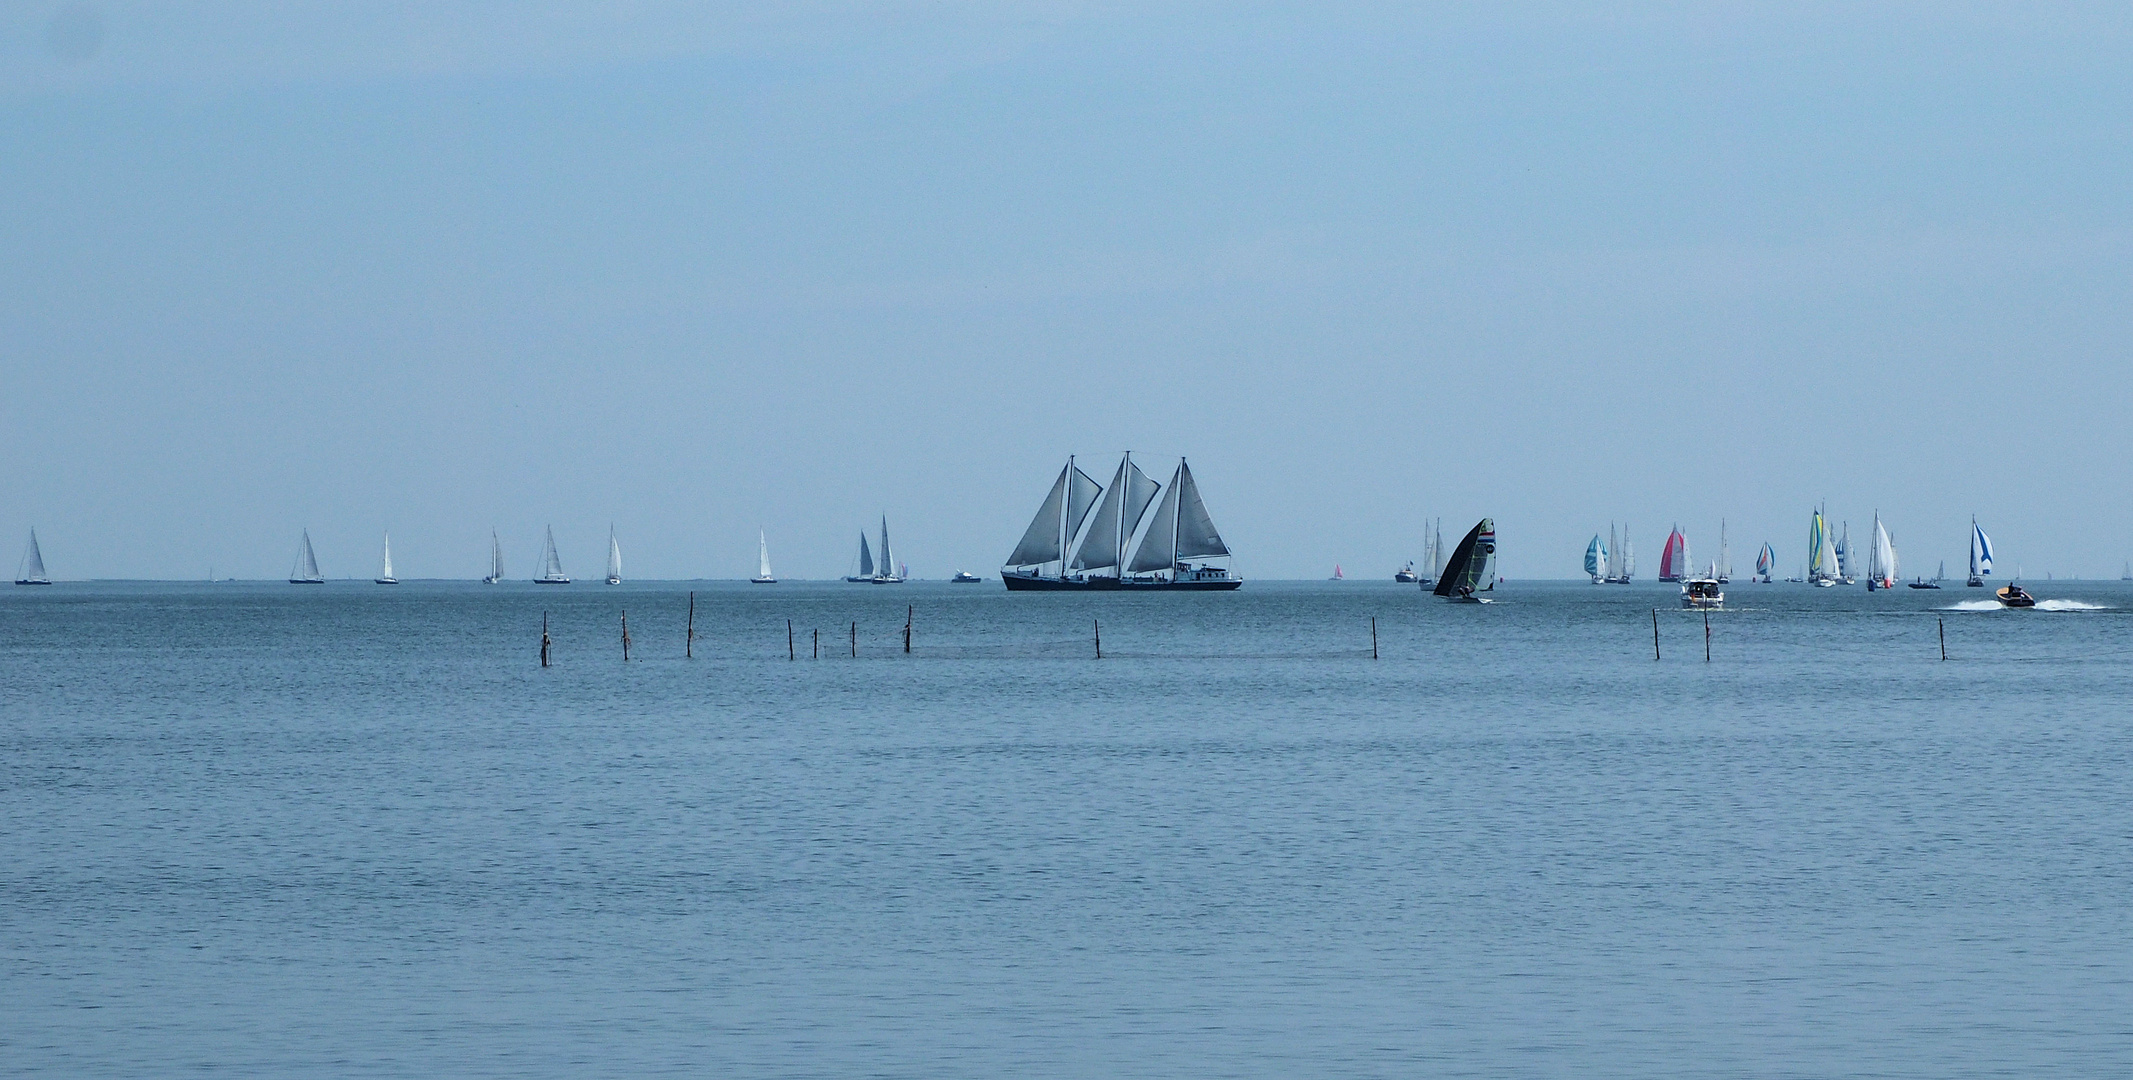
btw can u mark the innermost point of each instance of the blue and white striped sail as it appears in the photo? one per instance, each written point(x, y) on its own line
point(1596, 558)
point(1980, 551)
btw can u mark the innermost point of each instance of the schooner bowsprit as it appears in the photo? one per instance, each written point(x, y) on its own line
point(1180, 531)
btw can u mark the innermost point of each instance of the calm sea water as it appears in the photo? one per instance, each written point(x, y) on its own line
point(357, 831)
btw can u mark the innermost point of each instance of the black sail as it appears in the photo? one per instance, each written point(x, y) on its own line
point(1473, 563)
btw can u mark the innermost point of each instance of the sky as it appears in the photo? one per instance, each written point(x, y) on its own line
point(694, 270)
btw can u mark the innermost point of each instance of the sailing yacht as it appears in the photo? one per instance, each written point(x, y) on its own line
point(1181, 530)
point(1472, 566)
point(1674, 557)
point(385, 575)
point(1723, 569)
point(614, 557)
point(551, 566)
point(305, 572)
point(1622, 567)
point(1980, 556)
point(1596, 559)
point(866, 561)
point(30, 571)
point(1765, 562)
point(887, 573)
point(1432, 556)
point(1847, 562)
point(496, 560)
point(1880, 559)
point(1821, 553)
point(762, 551)
point(1337, 575)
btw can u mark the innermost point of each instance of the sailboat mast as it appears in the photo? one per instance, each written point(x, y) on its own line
point(1066, 507)
point(1125, 472)
point(1177, 518)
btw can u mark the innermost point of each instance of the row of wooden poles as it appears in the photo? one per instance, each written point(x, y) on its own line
point(792, 650)
point(1941, 620)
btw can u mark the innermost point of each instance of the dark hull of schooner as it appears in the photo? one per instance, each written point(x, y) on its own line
point(1017, 581)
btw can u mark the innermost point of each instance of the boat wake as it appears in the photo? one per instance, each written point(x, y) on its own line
point(2042, 605)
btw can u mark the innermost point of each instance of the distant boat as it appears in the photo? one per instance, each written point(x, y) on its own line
point(496, 561)
point(305, 572)
point(1881, 559)
point(30, 571)
point(1622, 557)
point(866, 561)
point(889, 573)
point(1724, 568)
point(762, 553)
point(1472, 566)
point(1821, 553)
point(1433, 556)
point(1674, 557)
point(1847, 563)
point(1596, 560)
point(1337, 575)
point(551, 566)
point(2127, 575)
point(1765, 562)
point(1406, 575)
point(385, 575)
point(1980, 556)
point(614, 558)
point(964, 577)
point(1922, 583)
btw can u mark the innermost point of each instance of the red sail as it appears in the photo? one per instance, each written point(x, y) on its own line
point(1670, 558)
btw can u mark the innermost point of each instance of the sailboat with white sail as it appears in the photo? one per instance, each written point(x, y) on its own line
point(1180, 531)
point(385, 574)
point(614, 557)
point(1847, 561)
point(865, 572)
point(1622, 566)
point(887, 572)
point(1880, 559)
point(1821, 553)
point(496, 561)
point(1596, 560)
point(1980, 556)
point(1432, 555)
point(1724, 566)
point(762, 552)
point(1472, 566)
point(305, 572)
point(551, 566)
point(30, 571)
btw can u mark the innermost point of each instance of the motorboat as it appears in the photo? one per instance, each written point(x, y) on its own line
point(1922, 583)
point(1406, 575)
point(2015, 596)
point(965, 577)
point(1702, 592)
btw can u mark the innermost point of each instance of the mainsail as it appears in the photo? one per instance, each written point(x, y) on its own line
point(1614, 555)
point(385, 574)
point(1058, 519)
point(762, 551)
point(551, 565)
point(1847, 563)
point(1725, 554)
point(1980, 551)
point(496, 560)
point(1116, 518)
point(31, 570)
point(1437, 553)
point(305, 572)
point(1181, 528)
point(866, 558)
point(1472, 566)
point(614, 558)
point(888, 562)
point(1881, 560)
point(1596, 559)
point(1821, 551)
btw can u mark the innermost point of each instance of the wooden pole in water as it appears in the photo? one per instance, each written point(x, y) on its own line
point(544, 639)
point(908, 612)
point(1943, 620)
point(1099, 638)
point(1655, 633)
point(625, 637)
point(688, 648)
point(789, 653)
point(855, 641)
point(1373, 637)
point(1706, 637)
point(818, 644)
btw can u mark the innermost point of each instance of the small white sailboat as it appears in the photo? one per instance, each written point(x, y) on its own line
point(1881, 559)
point(888, 572)
point(614, 558)
point(1472, 566)
point(385, 574)
point(30, 571)
point(551, 566)
point(496, 560)
point(1724, 567)
point(1622, 557)
point(762, 551)
point(1847, 562)
point(1980, 556)
point(305, 572)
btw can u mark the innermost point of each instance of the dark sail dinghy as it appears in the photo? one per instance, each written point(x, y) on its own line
point(1472, 567)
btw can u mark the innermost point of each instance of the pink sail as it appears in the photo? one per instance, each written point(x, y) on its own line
point(1674, 558)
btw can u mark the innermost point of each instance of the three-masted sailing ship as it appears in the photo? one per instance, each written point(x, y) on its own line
point(305, 572)
point(1180, 531)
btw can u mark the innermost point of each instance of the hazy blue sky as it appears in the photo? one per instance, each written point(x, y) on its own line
point(692, 269)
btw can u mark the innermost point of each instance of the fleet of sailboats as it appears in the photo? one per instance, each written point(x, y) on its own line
point(1180, 531)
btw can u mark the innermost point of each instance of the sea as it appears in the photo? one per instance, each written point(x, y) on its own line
point(1327, 829)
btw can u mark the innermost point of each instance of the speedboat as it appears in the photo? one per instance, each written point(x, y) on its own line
point(965, 577)
point(1702, 593)
point(2015, 596)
